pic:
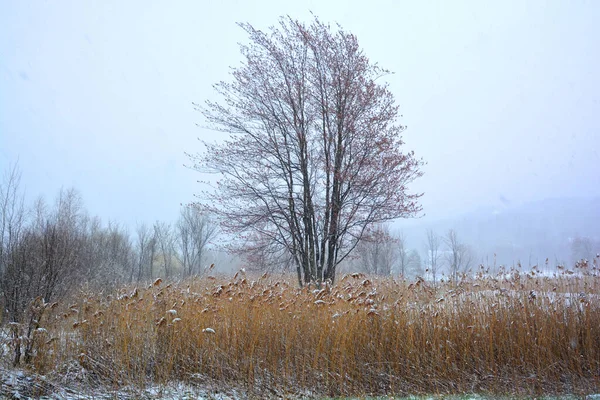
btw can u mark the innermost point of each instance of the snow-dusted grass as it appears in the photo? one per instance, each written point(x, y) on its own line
point(18, 384)
point(527, 335)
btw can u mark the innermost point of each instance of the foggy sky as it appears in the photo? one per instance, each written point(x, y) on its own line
point(501, 99)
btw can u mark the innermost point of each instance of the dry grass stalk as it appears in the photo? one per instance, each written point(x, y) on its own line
point(513, 333)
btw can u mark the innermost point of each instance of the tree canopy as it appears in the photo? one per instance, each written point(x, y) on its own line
point(314, 156)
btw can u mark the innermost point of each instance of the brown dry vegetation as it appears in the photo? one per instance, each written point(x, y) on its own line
point(519, 334)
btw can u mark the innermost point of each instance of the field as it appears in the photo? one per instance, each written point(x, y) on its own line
point(511, 334)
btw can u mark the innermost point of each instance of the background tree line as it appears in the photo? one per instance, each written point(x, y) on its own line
point(383, 253)
point(48, 249)
point(446, 256)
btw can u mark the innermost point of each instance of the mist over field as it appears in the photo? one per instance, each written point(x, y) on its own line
point(358, 182)
point(525, 233)
point(500, 99)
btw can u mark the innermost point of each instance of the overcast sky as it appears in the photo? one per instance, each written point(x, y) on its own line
point(502, 98)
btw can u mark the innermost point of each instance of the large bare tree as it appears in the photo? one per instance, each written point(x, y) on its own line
point(315, 154)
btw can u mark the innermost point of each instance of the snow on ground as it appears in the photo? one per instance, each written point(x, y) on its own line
point(18, 384)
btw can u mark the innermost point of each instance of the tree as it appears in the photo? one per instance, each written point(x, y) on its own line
point(40, 266)
point(165, 240)
point(377, 251)
point(107, 255)
point(414, 266)
point(433, 253)
point(582, 248)
point(146, 251)
point(118, 254)
point(459, 256)
point(195, 230)
point(12, 236)
point(403, 257)
point(314, 155)
point(12, 216)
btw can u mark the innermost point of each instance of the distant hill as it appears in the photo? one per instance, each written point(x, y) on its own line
point(528, 233)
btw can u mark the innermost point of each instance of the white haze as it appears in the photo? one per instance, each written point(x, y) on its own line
point(502, 99)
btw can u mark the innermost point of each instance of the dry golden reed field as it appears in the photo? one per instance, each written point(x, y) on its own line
point(514, 333)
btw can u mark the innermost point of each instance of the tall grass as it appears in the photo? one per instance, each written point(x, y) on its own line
point(513, 333)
